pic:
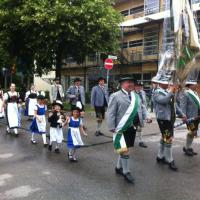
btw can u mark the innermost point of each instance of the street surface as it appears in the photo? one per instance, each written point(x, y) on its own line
point(31, 172)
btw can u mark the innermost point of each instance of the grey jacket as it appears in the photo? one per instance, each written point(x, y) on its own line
point(53, 92)
point(188, 106)
point(98, 95)
point(117, 107)
point(143, 97)
point(72, 94)
point(162, 103)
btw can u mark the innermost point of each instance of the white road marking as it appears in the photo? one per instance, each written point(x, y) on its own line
point(4, 177)
point(6, 155)
point(19, 192)
point(46, 172)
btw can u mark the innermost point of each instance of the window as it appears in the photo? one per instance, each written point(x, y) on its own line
point(135, 43)
point(125, 12)
point(151, 6)
point(195, 1)
point(168, 35)
point(151, 41)
point(136, 10)
point(125, 45)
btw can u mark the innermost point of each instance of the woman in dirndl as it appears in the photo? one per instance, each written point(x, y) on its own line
point(38, 125)
point(31, 101)
point(1, 104)
point(11, 100)
point(75, 130)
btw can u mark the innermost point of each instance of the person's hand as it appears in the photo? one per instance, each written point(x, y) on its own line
point(173, 88)
point(184, 118)
point(85, 134)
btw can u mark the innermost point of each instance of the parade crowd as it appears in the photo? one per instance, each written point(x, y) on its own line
point(125, 111)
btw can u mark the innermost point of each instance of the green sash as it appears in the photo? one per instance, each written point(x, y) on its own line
point(126, 122)
point(194, 97)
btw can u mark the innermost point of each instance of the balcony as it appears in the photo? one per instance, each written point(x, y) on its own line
point(90, 61)
point(138, 56)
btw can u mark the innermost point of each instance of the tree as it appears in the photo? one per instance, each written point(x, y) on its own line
point(45, 32)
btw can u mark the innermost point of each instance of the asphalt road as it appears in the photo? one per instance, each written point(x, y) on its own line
point(32, 172)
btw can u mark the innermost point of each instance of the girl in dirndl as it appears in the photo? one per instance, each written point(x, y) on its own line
point(56, 120)
point(38, 125)
point(75, 130)
point(1, 104)
point(11, 100)
point(31, 101)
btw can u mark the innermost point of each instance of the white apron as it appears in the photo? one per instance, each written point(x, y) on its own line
point(76, 136)
point(41, 125)
point(31, 106)
point(1, 109)
point(12, 115)
point(56, 134)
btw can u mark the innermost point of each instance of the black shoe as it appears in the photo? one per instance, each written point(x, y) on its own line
point(75, 160)
point(187, 152)
point(128, 177)
point(45, 145)
point(142, 144)
point(172, 166)
point(57, 150)
point(100, 133)
point(50, 147)
point(17, 135)
point(194, 153)
point(70, 157)
point(119, 171)
point(97, 133)
point(161, 160)
point(33, 141)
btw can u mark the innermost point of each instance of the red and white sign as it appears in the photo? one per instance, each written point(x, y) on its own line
point(108, 64)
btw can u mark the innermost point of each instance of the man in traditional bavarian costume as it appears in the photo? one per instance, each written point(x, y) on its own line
point(163, 99)
point(190, 106)
point(99, 101)
point(121, 114)
point(31, 101)
point(144, 115)
point(76, 95)
point(11, 99)
point(56, 92)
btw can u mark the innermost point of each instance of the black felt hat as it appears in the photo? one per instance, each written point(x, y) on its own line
point(59, 103)
point(57, 79)
point(127, 79)
point(41, 97)
point(77, 80)
point(101, 78)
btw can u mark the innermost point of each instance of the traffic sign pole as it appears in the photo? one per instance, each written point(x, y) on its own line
point(108, 64)
point(107, 79)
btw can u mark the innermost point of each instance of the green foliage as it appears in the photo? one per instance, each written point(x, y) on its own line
point(47, 31)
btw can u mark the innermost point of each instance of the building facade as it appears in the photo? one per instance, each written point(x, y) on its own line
point(142, 40)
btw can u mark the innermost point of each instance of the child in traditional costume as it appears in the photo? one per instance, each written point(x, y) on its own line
point(11, 100)
point(31, 101)
point(75, 129)
point(56, 120)
point(38, 125)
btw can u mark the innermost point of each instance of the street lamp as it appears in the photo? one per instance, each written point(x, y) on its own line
point(4, 72)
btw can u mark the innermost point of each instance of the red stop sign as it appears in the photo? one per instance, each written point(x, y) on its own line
point(108, 64)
